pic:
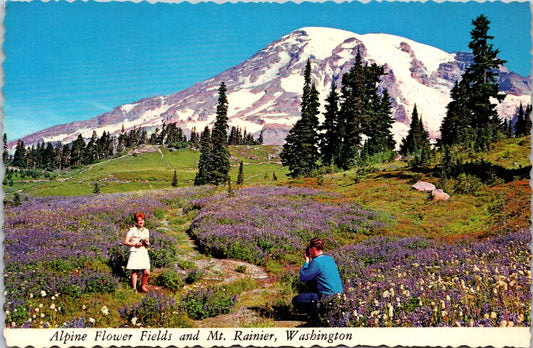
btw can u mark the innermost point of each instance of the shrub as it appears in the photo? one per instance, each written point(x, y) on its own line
point(194, 276)
point(118, 258)
point(467, 184)
point(186, 265)
point(163, 251)
point(170, 279)
point(205, 303)
point(155, 310)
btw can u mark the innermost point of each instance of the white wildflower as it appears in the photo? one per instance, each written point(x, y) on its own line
point(105, 310)
point(43, 293)
point(92, 321)
point(134, 320)
point(53, 306)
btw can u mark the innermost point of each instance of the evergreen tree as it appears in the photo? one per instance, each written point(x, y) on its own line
point(194, 140)
point(90, 153)
point(48, 156)
point(219, 138)
point(379, 129)
point(455, 128)
point(527, 116)
point(482, 79)
point(175, 179)
point(522, 126)
point(471, 118)
point(5, 154)
point(205, 163)
point(300, 151)
point(351, 114)
point(76, 151)
point(96, 188)
point(19, 158)
point(417, 139)
point(330, 135)
point(240, 177)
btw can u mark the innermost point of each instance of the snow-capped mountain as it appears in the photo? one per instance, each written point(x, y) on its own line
point(264, 92)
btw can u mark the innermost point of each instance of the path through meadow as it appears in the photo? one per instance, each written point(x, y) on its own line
point(247, 311)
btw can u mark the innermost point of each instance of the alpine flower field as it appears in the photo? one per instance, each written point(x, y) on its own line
point(57, 249)
point(389, 282)
point(416, 282)
point(266, 223)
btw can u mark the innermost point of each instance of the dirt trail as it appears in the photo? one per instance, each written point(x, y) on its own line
point(224, 271)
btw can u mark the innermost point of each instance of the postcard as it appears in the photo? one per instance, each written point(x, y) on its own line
point(275, 174)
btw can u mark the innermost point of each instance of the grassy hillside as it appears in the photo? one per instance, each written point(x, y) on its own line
point(151, 167)
point(384, 187)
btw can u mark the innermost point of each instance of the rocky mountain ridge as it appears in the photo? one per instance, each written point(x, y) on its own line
point(264, 91)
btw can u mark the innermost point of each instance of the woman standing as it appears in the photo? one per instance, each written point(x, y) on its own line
point(139, 261)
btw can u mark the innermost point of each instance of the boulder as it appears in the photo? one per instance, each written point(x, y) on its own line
point(423, 186)
point(439, 195)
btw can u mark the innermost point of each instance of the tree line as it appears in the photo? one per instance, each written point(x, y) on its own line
point(58, 156)
point(358, 118)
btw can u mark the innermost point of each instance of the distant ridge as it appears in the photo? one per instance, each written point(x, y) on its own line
point(264, 91)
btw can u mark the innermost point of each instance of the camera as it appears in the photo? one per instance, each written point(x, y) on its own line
point(144, 242)
point(307, 252)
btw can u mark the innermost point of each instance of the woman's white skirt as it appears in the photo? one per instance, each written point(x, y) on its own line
point(139, 259)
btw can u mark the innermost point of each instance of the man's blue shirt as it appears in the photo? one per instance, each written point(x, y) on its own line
point(324, 269)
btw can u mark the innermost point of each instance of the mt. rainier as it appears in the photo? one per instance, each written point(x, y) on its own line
point(264, 92)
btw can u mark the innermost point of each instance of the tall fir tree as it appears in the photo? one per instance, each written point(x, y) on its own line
point(174, 182)
point(522, 126)
point(351, 114)
point(5, 154)
point(205, 162)
point(455, 127)
point(240, 177)
point(379, 128)
point(300, 151)
point(219, 138)
point(19, 158)
point(471, 113)
point(417, 139)
point(330, 135)
point(482, 78)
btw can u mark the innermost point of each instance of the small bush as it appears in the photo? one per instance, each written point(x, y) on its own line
point(241, 269)
point(171, 280)
point(118, 258)
point(194, 276)
point(186, 265)
point(154, 310)
point(467, 184)
point(205, 303)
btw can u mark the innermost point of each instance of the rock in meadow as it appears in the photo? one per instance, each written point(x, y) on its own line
point(439, 195)
point(423, 186)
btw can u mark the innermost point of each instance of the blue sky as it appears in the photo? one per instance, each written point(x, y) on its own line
point(74, 61)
